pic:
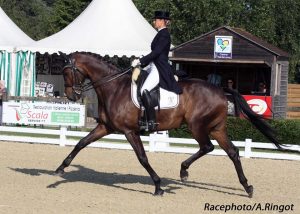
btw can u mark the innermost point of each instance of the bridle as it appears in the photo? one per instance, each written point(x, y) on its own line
point(78, 86)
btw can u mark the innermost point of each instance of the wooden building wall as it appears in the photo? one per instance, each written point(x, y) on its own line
point(280, 99)
point(293, 103)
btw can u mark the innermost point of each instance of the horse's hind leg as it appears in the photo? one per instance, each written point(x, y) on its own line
point(139, 150)
point(205, 147)
point(233, 153)
point(94, 135)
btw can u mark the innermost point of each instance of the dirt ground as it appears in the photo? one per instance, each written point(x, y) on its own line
point(112, 181)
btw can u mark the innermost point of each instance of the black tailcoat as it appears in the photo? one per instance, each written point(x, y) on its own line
point(160, 47)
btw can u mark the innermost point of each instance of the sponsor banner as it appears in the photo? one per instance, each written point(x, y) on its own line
point(260, 104)
point(43, 113)
point(223, 47)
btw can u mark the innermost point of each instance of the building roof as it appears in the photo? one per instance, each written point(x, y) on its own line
point(246, 35)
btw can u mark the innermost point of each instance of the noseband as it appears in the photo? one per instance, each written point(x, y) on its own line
point(78, 86)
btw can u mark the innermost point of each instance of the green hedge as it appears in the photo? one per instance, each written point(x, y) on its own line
point(288, 131)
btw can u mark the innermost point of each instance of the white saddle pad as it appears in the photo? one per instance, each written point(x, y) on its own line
point(167, 99)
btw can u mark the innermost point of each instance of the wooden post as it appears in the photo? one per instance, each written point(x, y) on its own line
point(152, 143)
point(248, 148)
point(62, 136)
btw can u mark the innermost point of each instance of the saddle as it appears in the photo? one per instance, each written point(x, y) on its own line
point(158, 98)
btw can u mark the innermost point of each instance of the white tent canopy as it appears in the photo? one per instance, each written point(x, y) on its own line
point(105, 27)
point(11, 35)
point(17, 68)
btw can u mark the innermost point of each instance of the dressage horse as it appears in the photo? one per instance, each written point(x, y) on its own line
point(202, 106)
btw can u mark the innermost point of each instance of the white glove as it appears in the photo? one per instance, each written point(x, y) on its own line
point(135, 63)
point(135, 74)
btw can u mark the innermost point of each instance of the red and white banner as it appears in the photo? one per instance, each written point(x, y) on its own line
point(260, 104)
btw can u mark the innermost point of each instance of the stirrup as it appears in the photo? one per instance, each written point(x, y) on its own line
point(152, 126)
point(147, 126)
point(143, 125)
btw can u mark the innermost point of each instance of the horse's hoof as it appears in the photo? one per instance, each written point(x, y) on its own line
point(249, 190)
point(159, 192)
point(59, 172)
point(184, 176)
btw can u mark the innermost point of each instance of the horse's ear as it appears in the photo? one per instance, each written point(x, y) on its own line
point(64, 56)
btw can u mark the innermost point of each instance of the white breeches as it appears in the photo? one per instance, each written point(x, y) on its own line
point(152, 79)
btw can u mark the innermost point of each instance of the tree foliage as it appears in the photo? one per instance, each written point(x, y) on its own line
point(276, 21)
point(31, 16)
point(65, 11)
point(42, 18)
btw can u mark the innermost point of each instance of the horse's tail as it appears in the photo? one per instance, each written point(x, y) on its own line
point(256, 120)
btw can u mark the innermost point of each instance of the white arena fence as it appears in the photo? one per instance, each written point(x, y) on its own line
point(157, 142)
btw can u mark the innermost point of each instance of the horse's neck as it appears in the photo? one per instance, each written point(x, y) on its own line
point(113, 89)
point(100, 71)
point(102, 75)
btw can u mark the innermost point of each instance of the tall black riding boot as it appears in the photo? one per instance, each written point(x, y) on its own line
point(150, 111)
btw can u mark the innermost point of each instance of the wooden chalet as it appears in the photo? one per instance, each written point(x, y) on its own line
point(233, 53)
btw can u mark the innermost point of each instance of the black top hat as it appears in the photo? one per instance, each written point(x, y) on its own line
point(161, 15)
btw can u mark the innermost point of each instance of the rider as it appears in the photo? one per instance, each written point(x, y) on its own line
point(157, 65)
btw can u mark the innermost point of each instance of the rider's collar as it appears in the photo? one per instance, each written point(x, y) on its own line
point(161, 28)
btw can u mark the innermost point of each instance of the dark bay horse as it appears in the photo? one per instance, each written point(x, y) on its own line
point(202, 106)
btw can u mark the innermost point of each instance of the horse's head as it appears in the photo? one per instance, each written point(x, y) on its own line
point(81, 66)
point(74, 78)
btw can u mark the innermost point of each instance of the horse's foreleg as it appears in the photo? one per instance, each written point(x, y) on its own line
point(139, 150)
point(94, 135)
point(205, 147)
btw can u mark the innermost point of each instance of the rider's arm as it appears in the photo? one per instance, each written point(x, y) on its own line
point(162, 43)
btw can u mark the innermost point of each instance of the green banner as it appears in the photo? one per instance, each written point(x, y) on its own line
point(65, 117)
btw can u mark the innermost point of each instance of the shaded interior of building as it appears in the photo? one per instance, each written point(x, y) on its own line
point(246, 77)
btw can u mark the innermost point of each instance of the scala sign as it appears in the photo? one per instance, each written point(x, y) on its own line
point(260, 104)
point(43, 113)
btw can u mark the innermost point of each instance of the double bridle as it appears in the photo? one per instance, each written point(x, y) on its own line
point(78, 86)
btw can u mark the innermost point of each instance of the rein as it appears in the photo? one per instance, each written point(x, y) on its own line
point(78, 88)
point(107, 79)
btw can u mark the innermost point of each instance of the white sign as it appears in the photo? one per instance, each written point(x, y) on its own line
point(223, 47)
point(43, 113)
point(42, 92)
point(43, 84)
point(49, 88)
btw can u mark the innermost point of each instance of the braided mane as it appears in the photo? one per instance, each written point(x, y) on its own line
point(100, 58)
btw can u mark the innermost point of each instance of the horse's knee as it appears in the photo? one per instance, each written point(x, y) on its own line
point(202, 151)
point(208, 148)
